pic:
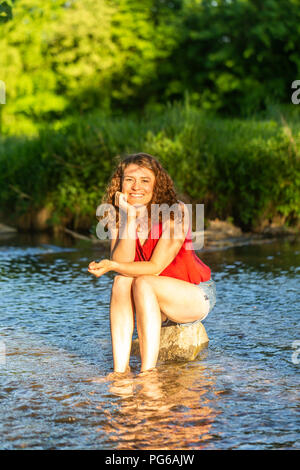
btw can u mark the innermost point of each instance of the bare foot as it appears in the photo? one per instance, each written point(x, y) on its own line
point(150, 384)
point(111, 376)
point(122, 383)
point(122, 387)
point(147, 372)
point(119, 375)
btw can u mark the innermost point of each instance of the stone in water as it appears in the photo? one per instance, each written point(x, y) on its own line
point(179, 342)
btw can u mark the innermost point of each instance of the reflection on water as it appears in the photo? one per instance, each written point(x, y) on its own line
point(240, 393)
point(143, 419)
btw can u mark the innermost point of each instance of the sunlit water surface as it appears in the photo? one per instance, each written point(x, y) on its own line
point(240, 393)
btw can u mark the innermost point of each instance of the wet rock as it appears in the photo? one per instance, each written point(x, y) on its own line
point(6, 229)
point(40, 219)
point(179, 342)
point(220, 229)
point(35, 220)
point(275, 227)
point(279, 231)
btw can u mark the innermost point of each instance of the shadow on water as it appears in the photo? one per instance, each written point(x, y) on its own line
point(241, 392)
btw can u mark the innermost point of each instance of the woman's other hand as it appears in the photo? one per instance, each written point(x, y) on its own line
point(98, 269)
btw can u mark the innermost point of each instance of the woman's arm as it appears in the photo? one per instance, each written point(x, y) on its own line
point(123, 247)
point(163, 254)
point(165, 251)
point(123, 240)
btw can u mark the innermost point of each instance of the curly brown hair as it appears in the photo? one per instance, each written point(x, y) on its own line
point(163, 192)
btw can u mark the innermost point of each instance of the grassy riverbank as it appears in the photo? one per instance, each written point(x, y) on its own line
point(244, 170)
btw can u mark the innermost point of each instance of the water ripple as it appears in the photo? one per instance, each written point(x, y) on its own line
point(240, 393)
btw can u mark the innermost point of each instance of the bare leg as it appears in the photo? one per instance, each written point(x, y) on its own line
point(148, 318)
point(121, 321)
point(179, 300)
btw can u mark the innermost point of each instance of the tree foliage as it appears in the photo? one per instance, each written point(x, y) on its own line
point(5, 11)
point(241, 55)
point(60, 58)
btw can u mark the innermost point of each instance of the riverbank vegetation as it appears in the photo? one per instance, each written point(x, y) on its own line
point(247, 170)
point(203, 85)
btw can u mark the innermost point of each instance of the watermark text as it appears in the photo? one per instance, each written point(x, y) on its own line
point(183, 216)
point(296, 95)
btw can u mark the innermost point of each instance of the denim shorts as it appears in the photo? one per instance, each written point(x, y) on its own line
point(209, 290)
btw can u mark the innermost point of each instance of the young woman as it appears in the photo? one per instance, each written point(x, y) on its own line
point(160, 278)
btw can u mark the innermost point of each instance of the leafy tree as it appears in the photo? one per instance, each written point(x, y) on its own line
point(50, 53)
point(238, 55)
point(61, 58)
point(5, 11)
point(145, 34)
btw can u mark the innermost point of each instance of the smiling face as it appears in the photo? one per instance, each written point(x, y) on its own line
point(138, 184)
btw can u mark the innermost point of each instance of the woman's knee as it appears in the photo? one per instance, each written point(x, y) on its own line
point(145, 279)
point(142, 288)
point(121, 285)
point(140, 283)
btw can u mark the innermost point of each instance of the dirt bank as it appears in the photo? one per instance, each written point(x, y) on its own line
point(220, 235)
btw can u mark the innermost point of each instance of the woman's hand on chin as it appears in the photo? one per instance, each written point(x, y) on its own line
point(121, 202)
point(98, 269)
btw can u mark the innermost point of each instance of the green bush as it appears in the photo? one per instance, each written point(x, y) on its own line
point(244, 169)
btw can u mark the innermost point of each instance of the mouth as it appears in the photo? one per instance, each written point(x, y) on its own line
point(137, 195)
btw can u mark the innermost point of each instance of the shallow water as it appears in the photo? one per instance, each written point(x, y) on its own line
point(240, 393)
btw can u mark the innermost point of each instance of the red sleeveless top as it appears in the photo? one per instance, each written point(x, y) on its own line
point(186, 265)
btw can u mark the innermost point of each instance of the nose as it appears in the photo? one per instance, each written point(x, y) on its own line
point(135, 185)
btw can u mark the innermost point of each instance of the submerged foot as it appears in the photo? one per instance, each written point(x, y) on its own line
point(150, 384)
point(122, 383)
point(118, 375)
point(111, 376)
point(146, 372)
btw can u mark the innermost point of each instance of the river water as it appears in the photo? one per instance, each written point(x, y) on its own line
point(55, 353)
